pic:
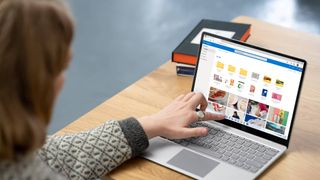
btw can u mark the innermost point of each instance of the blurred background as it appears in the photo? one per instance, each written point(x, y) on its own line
point(119, 41)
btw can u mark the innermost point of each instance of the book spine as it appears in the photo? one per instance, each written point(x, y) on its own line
point(185, 71)
point(184, 58)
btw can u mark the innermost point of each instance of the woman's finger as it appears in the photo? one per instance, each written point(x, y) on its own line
point(213, 116)
point(207, 116)
point(192, 132)
point(188, 96)
point(179, 98)
point(198, 99)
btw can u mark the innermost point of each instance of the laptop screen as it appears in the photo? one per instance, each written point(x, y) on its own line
point(253, 87)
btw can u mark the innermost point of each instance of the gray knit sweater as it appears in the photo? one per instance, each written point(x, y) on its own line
point(86, 155)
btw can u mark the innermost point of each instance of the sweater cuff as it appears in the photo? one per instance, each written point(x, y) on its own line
point(135, 135)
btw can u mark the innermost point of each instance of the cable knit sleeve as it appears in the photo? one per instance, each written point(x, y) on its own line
point(92, 154)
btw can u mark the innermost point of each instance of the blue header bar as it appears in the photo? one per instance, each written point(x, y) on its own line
point(254, 56)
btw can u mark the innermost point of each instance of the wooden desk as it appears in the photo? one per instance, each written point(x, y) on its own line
point(154, 91)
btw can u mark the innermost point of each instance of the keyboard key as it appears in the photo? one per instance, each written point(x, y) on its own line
point(254, 146)
point(220, 134)
point(226, 136)
point(233, 139)
point(191, 139)
point(239, 164)
point(214, 148)
point(235, 157)
point(206, 140)
point(254, 163)
point(224, 141)
point(221, 151)
point(240, 141)
point(202, 124)
point(267, 157)
point(260, 160)
point(250, 156)
point(225, 158)
point(217, 139)
point(244, 148)
point(214, 143)
point(251, 151)
point(247, 144)
point(236, 151)
point(242, 159)
point(238, 146)
point(245, 166)
point(207, 145)
point(259, 154)
point(234, 136)
point(230, 144)
point(222, 145)
point(262, 149)
point(184, 143)
point(229, 148)
point(177, 140)
point(271, 152)
point(231, 161)
point(212, 131)
point(244, 154)
point(200, 143)
point(227, 154)
point(180, 141)
point(253, 169)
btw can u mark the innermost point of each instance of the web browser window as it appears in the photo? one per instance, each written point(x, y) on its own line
point(251, 87)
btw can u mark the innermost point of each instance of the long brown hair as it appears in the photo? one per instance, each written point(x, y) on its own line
point(35, 38)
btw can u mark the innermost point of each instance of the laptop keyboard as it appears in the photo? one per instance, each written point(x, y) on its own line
point(230, 148)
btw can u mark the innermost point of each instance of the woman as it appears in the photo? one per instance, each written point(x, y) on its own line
point(35, 50)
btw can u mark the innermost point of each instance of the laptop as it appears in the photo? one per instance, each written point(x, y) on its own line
point(257, 90)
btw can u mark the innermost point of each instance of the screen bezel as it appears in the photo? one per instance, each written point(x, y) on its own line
point(248, 129)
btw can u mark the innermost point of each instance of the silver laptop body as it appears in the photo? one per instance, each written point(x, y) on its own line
point(257, 90)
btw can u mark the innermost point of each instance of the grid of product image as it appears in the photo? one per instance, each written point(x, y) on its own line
point(244, 110)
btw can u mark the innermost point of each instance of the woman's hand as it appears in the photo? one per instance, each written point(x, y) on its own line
point(172, 121)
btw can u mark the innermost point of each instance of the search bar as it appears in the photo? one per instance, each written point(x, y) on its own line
point(250, 55)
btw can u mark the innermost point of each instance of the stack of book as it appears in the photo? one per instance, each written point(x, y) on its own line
point(185, 55)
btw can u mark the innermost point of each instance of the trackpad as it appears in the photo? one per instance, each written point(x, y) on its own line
point(193, 163)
